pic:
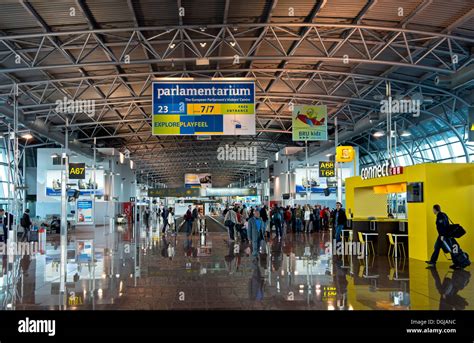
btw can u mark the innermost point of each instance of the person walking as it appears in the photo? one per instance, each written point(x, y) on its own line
point(146, 217)
point(195, 214)
point(442, 226)
point(316, 221)
point(287, 218)
point(26, 223)
point(339, 220)
point(226, 209)
point(277, 219)
point(230, 220)
point(307, 217)
point(164, 215)
point(264, 215)
point(201, 221)
point(298, 216)
point(6, 221)
point(188, 217)
point(171, 220)
point(255, 232)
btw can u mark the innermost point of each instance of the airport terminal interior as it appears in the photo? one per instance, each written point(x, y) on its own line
point(236, 154)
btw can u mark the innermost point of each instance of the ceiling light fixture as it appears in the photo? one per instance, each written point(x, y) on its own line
point(27, 136)
point(405, 133)
point(379, 134)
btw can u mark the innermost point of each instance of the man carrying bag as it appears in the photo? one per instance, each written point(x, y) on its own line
point(447, 241)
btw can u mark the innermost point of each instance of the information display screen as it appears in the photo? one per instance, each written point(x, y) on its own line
point(415, 192)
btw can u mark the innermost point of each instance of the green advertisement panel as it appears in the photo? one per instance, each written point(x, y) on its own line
point(310, 123)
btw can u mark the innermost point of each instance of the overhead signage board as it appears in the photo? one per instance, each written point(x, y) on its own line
point(309, 123)
point(197, 180)
point(200, 192)
point(228, 192)
point(203, 108)
point(85, 212)
point(380, 170)
point(326, 169)
point(77, 171)
point(173, 192)
point(345, 153)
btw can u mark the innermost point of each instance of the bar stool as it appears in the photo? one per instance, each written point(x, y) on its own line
point(400, 246)
point(368, 243)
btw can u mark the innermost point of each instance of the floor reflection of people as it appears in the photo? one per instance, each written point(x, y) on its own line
point(189, 250)
point(449, 288)
point(167, 248)
point(230, 260)
point(276, 257)
point(256, 283)
point(340, 281)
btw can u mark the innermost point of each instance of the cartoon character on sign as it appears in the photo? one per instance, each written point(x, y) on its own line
point(346, 153)
point(309, 118)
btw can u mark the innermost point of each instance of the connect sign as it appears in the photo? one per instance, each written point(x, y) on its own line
point(77, 171)
point(380, 170)
point(326, 169)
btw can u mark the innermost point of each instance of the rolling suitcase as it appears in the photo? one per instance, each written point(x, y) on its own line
point(458, 256)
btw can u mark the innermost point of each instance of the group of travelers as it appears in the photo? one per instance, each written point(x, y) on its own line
point(162, 215)
point(6, 224)
point(195, 220)
point(256, 224)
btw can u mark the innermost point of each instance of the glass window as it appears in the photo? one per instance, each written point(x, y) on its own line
point(444, 152)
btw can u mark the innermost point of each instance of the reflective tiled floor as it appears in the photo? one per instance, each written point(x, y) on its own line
point(206, 272)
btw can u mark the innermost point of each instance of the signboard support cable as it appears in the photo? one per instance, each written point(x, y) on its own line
point(308, 185)
point(94, 183)
point(338, 169)
point(63, 230)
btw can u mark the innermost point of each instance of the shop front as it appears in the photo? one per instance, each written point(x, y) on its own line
point(391, 204)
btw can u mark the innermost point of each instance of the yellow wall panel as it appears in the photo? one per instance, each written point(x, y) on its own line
point(451, 185)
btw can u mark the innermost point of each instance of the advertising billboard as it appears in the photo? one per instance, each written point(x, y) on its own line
point(85, 187)
point(84, 250)
point(316, 183)
point(309, 123)
point(197, 180)
point(85, 212)
point(203, 108)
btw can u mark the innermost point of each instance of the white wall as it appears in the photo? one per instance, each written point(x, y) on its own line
point(124, 186)
point(31, 180)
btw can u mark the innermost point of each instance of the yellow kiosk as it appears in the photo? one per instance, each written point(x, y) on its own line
point(451, 185)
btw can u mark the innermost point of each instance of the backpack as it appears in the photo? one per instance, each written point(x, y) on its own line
point(23, 222)
point(189, 215)
point(276, 216)
point(195, 213)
